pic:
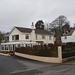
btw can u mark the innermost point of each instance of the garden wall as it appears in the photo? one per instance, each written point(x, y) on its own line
point(47, 53)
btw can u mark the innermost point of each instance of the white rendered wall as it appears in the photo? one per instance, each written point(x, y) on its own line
point(70, 38)
point(32, 36)
point(21, 35)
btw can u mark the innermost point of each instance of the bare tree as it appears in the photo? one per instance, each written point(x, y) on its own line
point(57, 25)
point(59, 22)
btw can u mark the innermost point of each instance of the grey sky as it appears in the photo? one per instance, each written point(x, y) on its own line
point(24, 12)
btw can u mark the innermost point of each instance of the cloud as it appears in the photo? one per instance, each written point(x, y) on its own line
point(24, 12)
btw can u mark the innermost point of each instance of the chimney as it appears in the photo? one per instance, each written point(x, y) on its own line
point(32, 25)
point(32, 33)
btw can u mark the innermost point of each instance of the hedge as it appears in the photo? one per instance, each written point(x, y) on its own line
point(68, 54)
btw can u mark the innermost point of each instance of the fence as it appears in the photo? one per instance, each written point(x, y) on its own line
point(49, 50)
point(48, 53)
point(68, 50)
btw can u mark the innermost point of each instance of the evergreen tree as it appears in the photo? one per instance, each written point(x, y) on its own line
point(39, 25)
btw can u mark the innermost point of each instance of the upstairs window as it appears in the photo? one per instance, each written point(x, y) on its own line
point(43, 36)
point(16, 37)
point(27, 36)
point(50, 38)
point(65, 37)
point(12, 37)
point(36, 37)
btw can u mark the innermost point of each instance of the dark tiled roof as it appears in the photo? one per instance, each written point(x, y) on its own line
point(21, 29)
point(69, 32)
point(39, 31)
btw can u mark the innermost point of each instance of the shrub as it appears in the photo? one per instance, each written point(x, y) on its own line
point(68, 54)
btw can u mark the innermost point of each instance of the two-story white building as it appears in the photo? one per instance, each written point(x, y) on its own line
point(30, 35)
point(24, 37)
point(69, 36)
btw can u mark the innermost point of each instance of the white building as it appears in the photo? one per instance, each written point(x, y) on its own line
point(26, 37)
point(69, 36)
point(31, 35)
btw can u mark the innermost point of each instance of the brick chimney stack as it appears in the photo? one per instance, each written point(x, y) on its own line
point(32, 25)
point(33, 33)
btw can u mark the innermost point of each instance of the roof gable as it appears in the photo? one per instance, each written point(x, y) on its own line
point(69, 33)
point(13, 30)
point(21, 29)
point(28, 30)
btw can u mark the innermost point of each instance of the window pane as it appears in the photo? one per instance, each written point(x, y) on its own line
point(49, 37)
point(16, 37)
point(36, 36)
point(43, 37)
point(65, 37)
point(27, 36)
point(12, 37)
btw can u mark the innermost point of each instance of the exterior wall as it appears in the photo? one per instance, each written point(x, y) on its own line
point(43, 59)
point(70, 38)
point(21, 35)
point(24, 35)
point(46, 40)
point(32, 36)
point(52, 39)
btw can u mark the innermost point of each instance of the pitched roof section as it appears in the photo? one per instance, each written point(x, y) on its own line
point(37, 31)
point(21, 29)
point(69, 33)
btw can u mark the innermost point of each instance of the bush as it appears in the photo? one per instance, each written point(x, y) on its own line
point(68, 47)
point(68, 54)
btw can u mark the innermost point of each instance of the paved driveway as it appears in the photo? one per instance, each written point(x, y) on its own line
point(12, 65)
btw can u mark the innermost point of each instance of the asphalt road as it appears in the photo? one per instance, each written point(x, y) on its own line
point(13, 65)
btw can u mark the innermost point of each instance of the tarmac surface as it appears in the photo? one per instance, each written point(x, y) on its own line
point(13, 65)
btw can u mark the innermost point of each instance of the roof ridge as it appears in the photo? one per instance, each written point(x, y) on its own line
point(22, 27)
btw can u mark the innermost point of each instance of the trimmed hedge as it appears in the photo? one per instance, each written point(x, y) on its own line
point(68, 50)
point(68, 54)
point(68, 47)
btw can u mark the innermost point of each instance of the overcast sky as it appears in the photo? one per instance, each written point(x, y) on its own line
point(24, 12)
